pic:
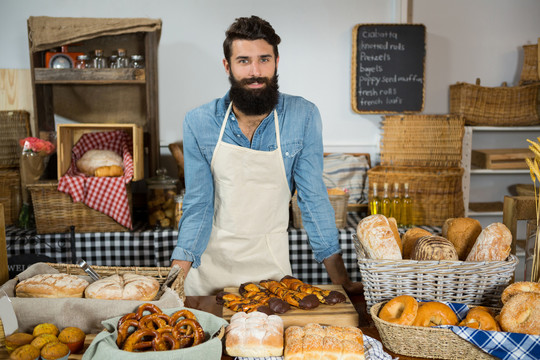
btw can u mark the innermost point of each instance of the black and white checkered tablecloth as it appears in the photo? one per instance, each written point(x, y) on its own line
point(143, 247)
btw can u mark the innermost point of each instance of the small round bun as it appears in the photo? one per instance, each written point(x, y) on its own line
point(519, 287)
point(409, 240)
point(435, 313)
point(462, 233)
point(434, 248)
point(480, 317)
point(521, 314)
point(123, 287)
point(400, 310)
point(51, 286)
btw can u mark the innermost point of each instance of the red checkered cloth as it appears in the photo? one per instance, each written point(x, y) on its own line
point(107, 195)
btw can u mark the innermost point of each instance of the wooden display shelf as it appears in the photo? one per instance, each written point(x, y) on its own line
point(89, 76)
point(486, 207)
point(501, 158)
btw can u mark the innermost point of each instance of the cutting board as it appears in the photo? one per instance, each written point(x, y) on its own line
point(342, 314)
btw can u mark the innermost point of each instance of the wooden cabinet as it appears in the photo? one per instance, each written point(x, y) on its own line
point(101, 95)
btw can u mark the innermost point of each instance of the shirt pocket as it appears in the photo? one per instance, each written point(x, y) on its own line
point(290, 149)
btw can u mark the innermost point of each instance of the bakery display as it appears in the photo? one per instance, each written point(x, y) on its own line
point(462, 233)
point(127, 286)
point(378, 238)
point(521, 314)
point(254, 335)
point(318, 342)
point(408, 240)
point(51, 286)
point(95, 159)
point(434, 248)
point(493, 244)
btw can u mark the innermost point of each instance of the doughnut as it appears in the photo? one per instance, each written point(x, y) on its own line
point(519, 287)
point(480, 318)
point(435, 313)
point(521, 314)
point(400, 310)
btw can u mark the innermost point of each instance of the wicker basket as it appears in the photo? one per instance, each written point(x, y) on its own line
point(14, 125)
point(425, 342)
point(339, 203)
point(404, 140)
point(465, 282)
point(10, 195)
point(529, 71)
point(55, 212)
point(436, 192)
point(495, 106)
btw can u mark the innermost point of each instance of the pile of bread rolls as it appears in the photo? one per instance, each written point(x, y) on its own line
point(115, 287)
point(461, 239)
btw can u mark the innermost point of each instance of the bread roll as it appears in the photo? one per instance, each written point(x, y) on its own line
point(109, 171)
point(519, 287)
point(51, 286)
point(254, 335)
point(123, 287)
point(377, 238)
point(462, 232)
point(94, 159)
point(493, 244)
point(434, 248)
point(521, 314)
point(394, 226)
point(408, 240)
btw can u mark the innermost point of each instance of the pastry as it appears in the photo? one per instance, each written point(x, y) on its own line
point(51, 286)
point(123, 287)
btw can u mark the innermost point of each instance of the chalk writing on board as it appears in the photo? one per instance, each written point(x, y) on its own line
point(388, 68)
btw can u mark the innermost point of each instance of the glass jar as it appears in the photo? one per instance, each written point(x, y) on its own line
point(179, 200)
point(162, 191)
point(112, 61)
point(83, 62)
point(99, 61)
point(122, 61)
point(136, 62)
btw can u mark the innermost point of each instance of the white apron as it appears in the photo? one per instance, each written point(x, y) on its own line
point(249, 239)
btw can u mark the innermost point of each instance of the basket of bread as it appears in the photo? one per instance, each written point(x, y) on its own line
point(446, 330)
point(465, 264)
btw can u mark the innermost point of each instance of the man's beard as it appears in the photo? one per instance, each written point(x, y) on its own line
point(254, 101)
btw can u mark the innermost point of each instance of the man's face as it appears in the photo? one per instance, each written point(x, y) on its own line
point(252, 73)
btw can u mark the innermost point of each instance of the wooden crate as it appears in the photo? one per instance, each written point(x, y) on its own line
point(501, 158)
point(69, 134)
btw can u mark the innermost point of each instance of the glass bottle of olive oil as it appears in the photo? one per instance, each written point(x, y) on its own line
point(396, 204)
point(375, 202)
point(406, 208)
point(385, 202)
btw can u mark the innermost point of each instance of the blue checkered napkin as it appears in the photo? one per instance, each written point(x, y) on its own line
point(373, 350)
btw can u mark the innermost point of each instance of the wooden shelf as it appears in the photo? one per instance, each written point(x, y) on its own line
point(494, 208)
point(499, 172)
point(89, 76)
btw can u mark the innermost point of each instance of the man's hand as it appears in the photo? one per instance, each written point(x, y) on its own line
point(338, 274)
point(185, 265)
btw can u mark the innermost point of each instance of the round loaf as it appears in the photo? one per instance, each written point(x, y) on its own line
point(462, 233)
point(378, 239)
point(434, 248)
point(521, 314)
point(95, 158)
point(519, 287)
point(51, 286)
point(409, 240)
point(123, 287)
point(493, 244)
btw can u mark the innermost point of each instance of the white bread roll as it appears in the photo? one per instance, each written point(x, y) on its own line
point(493, 244)
point(51, 286)
point(254, 335)
point(379, 240)
point(123, 287)
point(94, 159)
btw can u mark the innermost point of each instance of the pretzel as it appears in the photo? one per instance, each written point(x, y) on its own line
point(186, 314)
point(123, 330)
point(151, 308)
point(124, 318)
point(154, 321)
point(186, 330)
point(165, 342)
point(137, 342)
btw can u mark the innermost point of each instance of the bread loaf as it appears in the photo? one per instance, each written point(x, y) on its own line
point(493, 244)
point(521, 314)
point(95, 158)
point(254, 335)
point(434, 248)
point(409, 239)
point(462, 233)
point(377, 238)
point(51, 286)
point(123, 287)
point(314, 341)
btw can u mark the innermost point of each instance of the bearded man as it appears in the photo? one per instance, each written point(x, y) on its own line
point(245, 154)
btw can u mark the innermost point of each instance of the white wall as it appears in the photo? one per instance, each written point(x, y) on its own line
point(466, 39)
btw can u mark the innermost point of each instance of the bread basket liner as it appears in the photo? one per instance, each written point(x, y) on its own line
point(86, 314)
point(444, 342)
point(104, 347)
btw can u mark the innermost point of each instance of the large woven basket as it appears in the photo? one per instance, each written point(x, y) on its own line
point(55, 212)
point(529, 71)
point(422, 140)
point(14, 125)
point(436, 192)
point(338, 202)
point(10, 194)
point(465, 282)
point(425, 342)
point(495, 106)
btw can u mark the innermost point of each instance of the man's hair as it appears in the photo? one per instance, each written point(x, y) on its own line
point(252, 28)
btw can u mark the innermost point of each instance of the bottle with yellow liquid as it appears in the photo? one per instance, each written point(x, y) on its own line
point(406, 208)
point(375, 202)
point(385, 202)
point(395, 207)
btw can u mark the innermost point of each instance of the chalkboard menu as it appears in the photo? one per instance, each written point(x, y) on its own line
point(388, 68)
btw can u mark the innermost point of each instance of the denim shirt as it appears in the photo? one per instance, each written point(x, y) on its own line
point(300, 129)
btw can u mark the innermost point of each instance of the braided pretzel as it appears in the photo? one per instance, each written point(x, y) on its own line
point(189, 332)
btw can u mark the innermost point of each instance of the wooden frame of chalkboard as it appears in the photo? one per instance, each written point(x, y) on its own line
point(388, 68)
